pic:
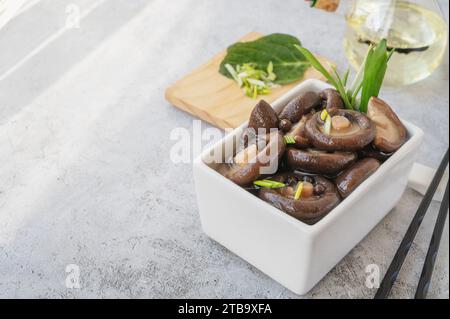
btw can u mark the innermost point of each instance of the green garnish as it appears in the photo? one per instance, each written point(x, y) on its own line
point(288, 63)
point(335, 81)
point(269, 184)
point(253, 81)
point(299, 190)
point(324, 116)
point(327, 125)
point(368, 79)
point(313, 3)
point(288, 139)
point(374, 72)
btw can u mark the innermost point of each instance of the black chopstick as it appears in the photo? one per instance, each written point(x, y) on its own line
point(428, 266)
point(391, 275)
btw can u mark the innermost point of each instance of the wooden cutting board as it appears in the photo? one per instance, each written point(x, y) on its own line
point(214, 98)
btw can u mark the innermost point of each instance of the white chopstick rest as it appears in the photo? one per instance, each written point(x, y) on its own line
point(420, 178)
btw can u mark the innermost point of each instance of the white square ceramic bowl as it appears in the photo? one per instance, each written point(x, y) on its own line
point(295, 254)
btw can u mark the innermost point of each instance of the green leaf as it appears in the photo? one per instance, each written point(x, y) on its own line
point(336, 82)
point(374, 72)
point(346, 76)
point(316, 64)
point(274, 53)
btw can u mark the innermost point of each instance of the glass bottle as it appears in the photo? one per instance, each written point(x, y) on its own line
point(414, 28)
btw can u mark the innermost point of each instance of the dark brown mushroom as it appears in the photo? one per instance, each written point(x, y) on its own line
point(298, 132)
point(350, 131)
point(255, 160)
point(319, 162)
point(299, 106)
point(332, 99)
point(263, 116)
point(390, 131)
point(319, 197)
point(371, 151)
point(262, 119)
point(353, 176)
point(285, 125)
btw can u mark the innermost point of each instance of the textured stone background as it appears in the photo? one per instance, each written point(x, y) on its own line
point(85, 176)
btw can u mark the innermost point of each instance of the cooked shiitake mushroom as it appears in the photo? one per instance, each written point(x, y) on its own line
point(332, 99)
point(299, 106)
point(353, 176)
point(251, 162)
point(390, 131)
point(371, 151)
point(319, 162)
point(298, 132)
point(307, 198)
point(263, 116)
point(285, 125)
point(350, 131)
point(262, 119)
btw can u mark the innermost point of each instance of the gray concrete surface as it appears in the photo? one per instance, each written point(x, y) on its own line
point(85, 176)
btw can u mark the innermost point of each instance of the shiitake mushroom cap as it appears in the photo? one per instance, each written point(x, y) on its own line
point(263, 116)
point(319, 162)
point(332, 99)
point(390, 133)
point(353, 141)
point(299, 106)
point(308, 210)
point(265, 158)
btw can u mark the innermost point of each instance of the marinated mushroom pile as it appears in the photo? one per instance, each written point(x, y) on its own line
point(314, 153)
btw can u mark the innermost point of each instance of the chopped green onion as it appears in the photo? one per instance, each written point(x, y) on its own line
point(270, 68)
point(257, 82)
point(255, 92)
point(233, 73)
point(253, 81)
point(324, 114)
point(327, 125)
point(288, 139)
point(298, 192)
point(269, 184)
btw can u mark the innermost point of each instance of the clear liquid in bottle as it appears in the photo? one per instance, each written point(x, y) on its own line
point(419, 36)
